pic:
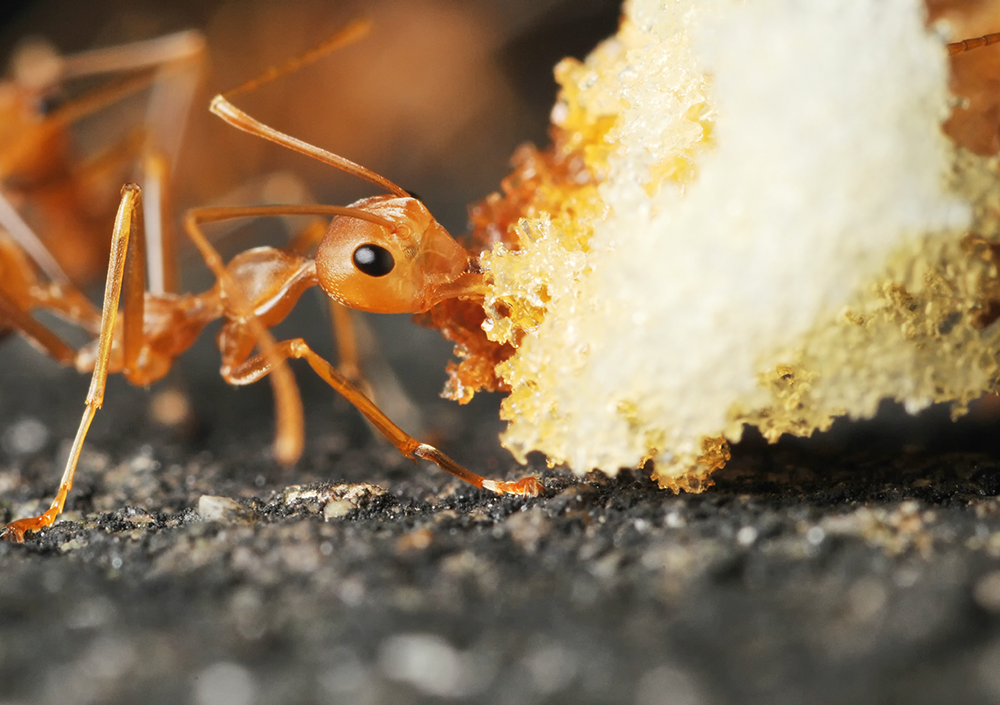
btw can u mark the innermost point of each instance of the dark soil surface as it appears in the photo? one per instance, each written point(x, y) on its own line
point(859, 567)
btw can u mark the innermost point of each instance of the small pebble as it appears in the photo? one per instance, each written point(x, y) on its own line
point(27, 436)
point(986, 591)
point(222, 509)
point(224, 683)
point(170, 408)
point(337, 508)
point(746, 536)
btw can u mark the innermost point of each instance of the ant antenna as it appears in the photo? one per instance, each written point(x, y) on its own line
point(355, 30)
point(222, 107)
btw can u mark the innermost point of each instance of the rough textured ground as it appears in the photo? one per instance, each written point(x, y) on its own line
point(863, 566)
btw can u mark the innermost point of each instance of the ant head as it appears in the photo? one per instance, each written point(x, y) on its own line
point(29, 143)
point(369, 267)
point(33, 76)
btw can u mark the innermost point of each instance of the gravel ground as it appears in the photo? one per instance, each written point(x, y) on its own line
point(861, 566)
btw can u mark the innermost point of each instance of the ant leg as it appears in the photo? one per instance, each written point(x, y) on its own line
point(12, 316)
point(345, 335)
point(180, 46)
point(161, 241)
point(21, 292)
point(128, 217)
point(23, 235)
point(257, 367)
point(148, 61)
point(362, 360)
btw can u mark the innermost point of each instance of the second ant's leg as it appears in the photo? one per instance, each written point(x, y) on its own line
point(21, 292)
point(161, 250)
point(13, 223)
point(257, 367)
point(129, 216)
point(13, 317)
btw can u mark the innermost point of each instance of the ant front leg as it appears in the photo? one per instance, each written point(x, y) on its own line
point(255, 368)
point(129, 216)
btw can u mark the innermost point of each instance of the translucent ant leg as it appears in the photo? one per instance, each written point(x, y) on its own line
point(21, 292)
point(128, 217)
point(174, 52)
point(13, 317)
point(146, 53)
point(161, 239)
point(259, 366)
point(23, 235)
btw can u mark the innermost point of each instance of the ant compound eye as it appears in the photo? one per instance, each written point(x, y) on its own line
point(373, 260)
point(49, 103)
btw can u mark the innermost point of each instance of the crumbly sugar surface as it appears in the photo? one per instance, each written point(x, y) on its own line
point(775, 232)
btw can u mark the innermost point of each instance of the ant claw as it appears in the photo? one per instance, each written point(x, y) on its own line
point(16, 530)
point(526, 487)
point(12, 532)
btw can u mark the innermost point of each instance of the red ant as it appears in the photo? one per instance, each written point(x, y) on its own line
point(384, 254)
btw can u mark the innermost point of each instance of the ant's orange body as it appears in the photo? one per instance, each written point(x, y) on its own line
point(383, 254)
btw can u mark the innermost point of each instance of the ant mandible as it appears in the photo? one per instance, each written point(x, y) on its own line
point(384, 254)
